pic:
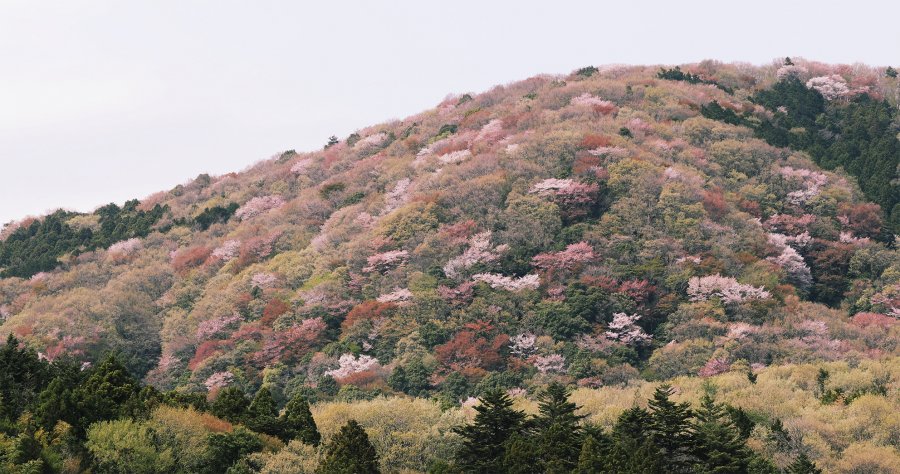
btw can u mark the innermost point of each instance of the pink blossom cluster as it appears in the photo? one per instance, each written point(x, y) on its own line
point(689, 258)
point(479, 251)
point(263, 280)
point(5, 312)
point(461, 295)
point(589, 100)
point(218, 380)
point(349, 365)
point(167, 362)
point(491, 131)
point(638, 125)
point(553, 363)
point(791, 70)
point(455, 157)
point(726, 288)
point(397, 196)
point(372, 140)
point(126, 247)
point(301, 165)
point(624, 329)
point(228, 251)
point(551, 186)
point(258, 205)
point(613, 151)
point(567, 192)
point(527, 282)
point(262, 247)
point(812, 182)
point(714, 366)
point(522, 345)
point(572, 256)
point(211, 327)
point(399, 295)
point(831, 87)
point(790, 261)
point(741, 330)
point(384, 261)
point(848, 238)
point(790, 224)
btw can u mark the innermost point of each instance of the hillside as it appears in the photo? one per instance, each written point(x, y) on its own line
point(601, 229)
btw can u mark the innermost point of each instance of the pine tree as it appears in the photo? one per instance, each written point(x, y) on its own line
point(803, 465)
point(670, 429)
point(557, 431)
point(105, 393)
point(632, 449)
point(262, 415)
point(231, 404)
point(298, 422)
point(350, 452)
point(521, 455)
point(719, 447)
point(595, 454)
point(484, 441)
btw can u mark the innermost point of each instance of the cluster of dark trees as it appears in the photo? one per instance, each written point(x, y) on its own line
point(667, 437)
point(35, 396)
point(38, 246)
point(676, 74)
point(858, 135)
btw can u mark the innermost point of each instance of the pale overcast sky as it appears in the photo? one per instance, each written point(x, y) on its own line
point(103, 101)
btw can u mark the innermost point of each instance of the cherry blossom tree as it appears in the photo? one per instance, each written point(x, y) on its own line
point(553, 363)
point(725, 288)
point(624, 329)
point(349, 365)
point(714, 366)
point(479, 251)
point(215, 326)
point(398, 296)
point(258, 206)
point(384, 261)
point(523, 345)
point(527, 282)
point(228, 251)
point(218, 380)
point(455, 157)
point(568, 259)
point(831, 87)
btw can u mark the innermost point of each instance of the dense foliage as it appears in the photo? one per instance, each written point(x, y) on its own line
point(609, 230)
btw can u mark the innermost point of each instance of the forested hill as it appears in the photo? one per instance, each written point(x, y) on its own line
point(606, 229)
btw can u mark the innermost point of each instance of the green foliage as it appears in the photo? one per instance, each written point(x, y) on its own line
point(350, 452)
point(127, 447)
point(298, 423)
point(262, 414)
point(225, 449)
point(215, 214)
point(890, 72)
point(231, 404)
point(587, 71)
point(38, 246)
point(484, 441)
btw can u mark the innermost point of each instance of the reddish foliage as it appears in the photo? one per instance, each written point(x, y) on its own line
point(714, 203)
point(863, 219)
point(591, 141)
point(468, 350)
point(367, 310)
point(459, 232)
point(189, 258)
point(873, 319)
point(603, 281)
point(585, 162)
point(750, 207)
point(366, 379)
point(273, 310)
point(203, 352)
point(638, 290)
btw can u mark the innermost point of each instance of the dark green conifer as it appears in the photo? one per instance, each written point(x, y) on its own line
point(350, 452)
point(298, 422)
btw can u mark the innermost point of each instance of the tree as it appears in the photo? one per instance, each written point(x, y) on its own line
point(719, 445)
point(558, 436)
point(484, 441)
point(890, 72)
point(298, 423)
point(803, 465)
point(594, 455)
point(22, 375)
point(225, 449)
point(350, 452)
point(262, 414)
point(670, 430)
point(106, 393)
point(231, 404)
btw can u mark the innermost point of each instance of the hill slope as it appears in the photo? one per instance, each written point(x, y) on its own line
point(597, 228)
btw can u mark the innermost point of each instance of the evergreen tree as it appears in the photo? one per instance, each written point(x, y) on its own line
point(298, 422)
point(521, 455)
point(22, 376)
point(106, 394)
point(557, 431)
point(231, 404)
point(803, 465)
point(350, 452)
point(670, 429)
point(719, 446)
point(632, 449)
point(595, 454)
point(484, 441)
point(262, 415)
point(225, 449)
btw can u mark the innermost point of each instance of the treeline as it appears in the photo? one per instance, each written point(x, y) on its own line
point(60, 417)
point(667, 437)
point(858, 135)
point(37, 247)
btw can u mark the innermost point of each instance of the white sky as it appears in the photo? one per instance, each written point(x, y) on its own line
point(104, 101)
